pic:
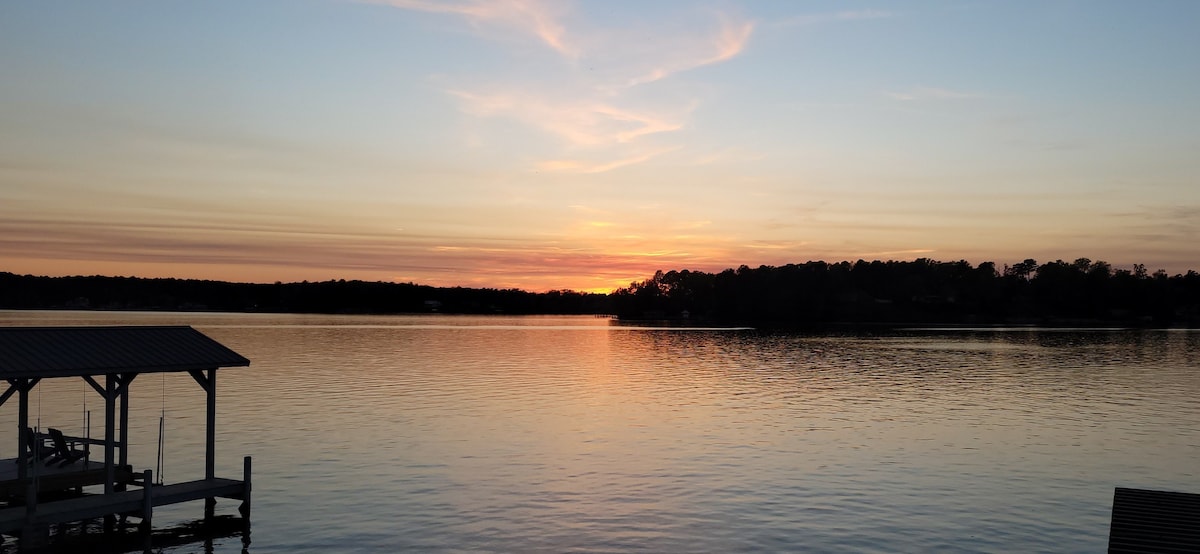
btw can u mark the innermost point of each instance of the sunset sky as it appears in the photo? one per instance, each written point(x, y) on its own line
point(584, 145)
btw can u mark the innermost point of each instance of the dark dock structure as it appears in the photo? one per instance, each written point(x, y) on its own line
point(1154, 521)
point(49, 480)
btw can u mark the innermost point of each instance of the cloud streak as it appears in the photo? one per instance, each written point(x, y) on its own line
point(723, 45)
point(581, 123)
point(606, 256)
point(594, 101)
point(529, 17)
point(578, 166)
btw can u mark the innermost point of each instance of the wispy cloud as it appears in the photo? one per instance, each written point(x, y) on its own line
point(691, 52)
point(595, 101)
point(902, 253)
point(541, 19)
point(584, 122)
point(775, 245)
point(930, 93)
point(579, 166)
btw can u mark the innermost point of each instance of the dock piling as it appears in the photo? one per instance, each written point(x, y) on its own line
point(147, 499)
point(245, 507)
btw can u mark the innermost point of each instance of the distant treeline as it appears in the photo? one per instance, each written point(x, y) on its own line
point(333, 297)
point(1082, 292)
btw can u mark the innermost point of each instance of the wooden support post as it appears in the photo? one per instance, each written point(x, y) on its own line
point(22, 424)
point(209, 384)
point(33, 535)
point(12, 388)
point(245, 507)
point(92, 381)
point(210, 452)
point(110, 424)
point(23, 457)
point(123, 394)
point(124, 440)
point(147, 499)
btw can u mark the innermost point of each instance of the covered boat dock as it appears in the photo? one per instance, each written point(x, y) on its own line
point(1150, 521)
point(36, 494)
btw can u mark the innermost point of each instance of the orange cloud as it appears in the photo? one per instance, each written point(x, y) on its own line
point(730, 41)
point(600, 255)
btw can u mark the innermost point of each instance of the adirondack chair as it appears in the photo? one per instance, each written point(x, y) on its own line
point(64, 454)
point(37, 449)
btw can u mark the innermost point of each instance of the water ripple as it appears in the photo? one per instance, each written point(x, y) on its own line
point(525, 434)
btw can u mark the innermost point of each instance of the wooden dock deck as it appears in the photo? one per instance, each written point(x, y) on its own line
point(1154, 521)
point(54, 478)
point(127, 502)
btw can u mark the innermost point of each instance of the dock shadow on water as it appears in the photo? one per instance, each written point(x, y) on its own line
point(218, 533)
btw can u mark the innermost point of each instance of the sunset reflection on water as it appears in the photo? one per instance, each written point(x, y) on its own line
point(577, 434)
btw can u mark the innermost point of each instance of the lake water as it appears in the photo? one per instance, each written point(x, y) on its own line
point(576, 434)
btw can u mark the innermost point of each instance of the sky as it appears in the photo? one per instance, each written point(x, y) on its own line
point(551, 145)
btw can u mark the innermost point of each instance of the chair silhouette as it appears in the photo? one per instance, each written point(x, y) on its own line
point(37, 450)
point(64, 455)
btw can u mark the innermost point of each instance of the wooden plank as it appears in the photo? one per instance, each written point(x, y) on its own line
point(210, 425)
point(87, 507)
point(110, 429)
point(147, 498)
point(195, 490)
point(12, 388)
point(1154, 521)
point(94, 506)
point(245, 507)
point(60, 479)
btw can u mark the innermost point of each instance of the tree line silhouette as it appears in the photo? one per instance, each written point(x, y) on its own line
point(1082, 292)
point(331, 297)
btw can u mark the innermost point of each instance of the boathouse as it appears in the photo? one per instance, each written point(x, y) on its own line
point(53, 479)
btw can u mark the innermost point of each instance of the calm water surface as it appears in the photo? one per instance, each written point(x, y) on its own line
point(560, 434)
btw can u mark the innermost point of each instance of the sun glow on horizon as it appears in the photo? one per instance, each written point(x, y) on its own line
point(562, 145)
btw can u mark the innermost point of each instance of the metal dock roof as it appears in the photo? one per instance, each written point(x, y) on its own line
point(1154, 521)
point(31, 352)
